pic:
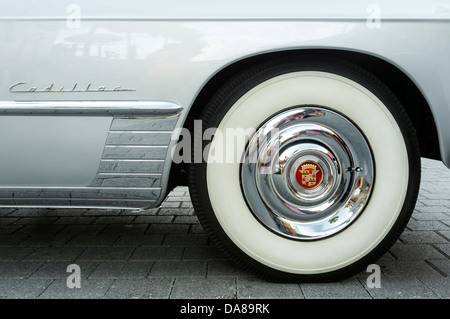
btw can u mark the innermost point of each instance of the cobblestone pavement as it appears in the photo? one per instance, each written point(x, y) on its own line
point(163, 253)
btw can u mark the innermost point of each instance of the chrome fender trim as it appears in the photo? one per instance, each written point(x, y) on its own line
point(130, 172)
point(116, 108)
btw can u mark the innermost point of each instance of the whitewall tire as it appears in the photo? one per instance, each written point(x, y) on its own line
point(343, 125)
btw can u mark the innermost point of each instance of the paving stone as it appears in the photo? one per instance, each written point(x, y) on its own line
point(399, 288)
point(435, 202)
point(197, 229)
point(226, 268)
point(66, 212)
point(441, 265)
point(407, 269)
point(427, 225)
point(439, 286)
point(14, 253)
point(40, 229)
point(201, 288)
point(121, 269)
point(102, 212)
point(414, 251)
point(125, 229)
point(114, 219)
point(432, 209)
point(75, 220)
point(176, 211)
point(347, 289)
point(442, 217)
point(445, 234)
point(35, 220)
point(179, 268)
point(157, 253)
point(5, 221)
point(388, 256)
point(255, 288)
point(82, 230)
point(422, 237)
point(6, 211)
point(153, 219)
point(94, 240)
point(65, 253)
point(140, 240)
point(9, 229)
point(186, 220)
point(106, 253)
point(168, 229)
point(139, 212)
point(170, 204)
point(186, 240)
point(22, 288)
point(176, 193)
point(90, 289)
point(203, 253)
point(174, 198)
point(58, 269)
point(150, 288)
point(46, 240)
point(29, 212)
point(444, 249)
point(12, 239)
point(18, 269)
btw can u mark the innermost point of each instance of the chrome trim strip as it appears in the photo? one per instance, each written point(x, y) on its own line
point(130, 174)
point(139, 138)
point(132, 160)
point(115, 108)
point(135, 153)
point(128, 166)
point(136, 146)
point(3, 188)
point(148, 193)
point(140, 132)
point(144, 124)
point(78, 203)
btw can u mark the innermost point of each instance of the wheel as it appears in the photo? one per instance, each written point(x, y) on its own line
point(324, 179)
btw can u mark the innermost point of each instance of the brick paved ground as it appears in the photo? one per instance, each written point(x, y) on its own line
point(163, 253)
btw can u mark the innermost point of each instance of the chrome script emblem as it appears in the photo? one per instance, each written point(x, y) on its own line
point(18, 88)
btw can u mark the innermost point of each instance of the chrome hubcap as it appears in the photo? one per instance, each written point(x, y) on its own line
point(307, 173)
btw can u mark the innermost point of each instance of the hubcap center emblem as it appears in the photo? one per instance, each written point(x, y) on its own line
point(309, 174)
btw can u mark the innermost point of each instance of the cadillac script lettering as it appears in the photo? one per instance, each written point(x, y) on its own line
point(17, 88)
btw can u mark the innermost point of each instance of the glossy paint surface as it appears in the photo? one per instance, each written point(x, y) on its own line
point(75, 156)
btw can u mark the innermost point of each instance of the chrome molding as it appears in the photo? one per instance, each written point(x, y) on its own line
point(130, 172)
point(125, 109)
